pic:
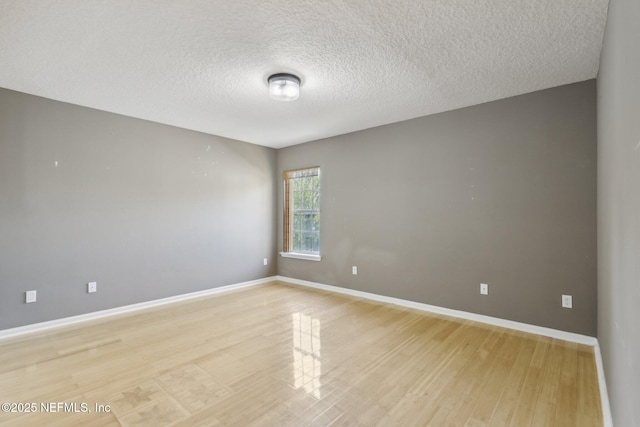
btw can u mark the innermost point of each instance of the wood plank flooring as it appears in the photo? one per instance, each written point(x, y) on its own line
point(279, 355)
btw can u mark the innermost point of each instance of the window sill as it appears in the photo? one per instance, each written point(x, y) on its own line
point(295, 255)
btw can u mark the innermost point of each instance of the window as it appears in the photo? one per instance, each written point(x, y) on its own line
point(302, 214)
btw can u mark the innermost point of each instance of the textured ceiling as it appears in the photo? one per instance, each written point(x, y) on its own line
point(203, 64)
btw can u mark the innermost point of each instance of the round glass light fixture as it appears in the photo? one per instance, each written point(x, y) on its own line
point(284, 87)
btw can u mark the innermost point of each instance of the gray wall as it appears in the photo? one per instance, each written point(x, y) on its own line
point(146, 210)
point(619, 210)
point(502, 193)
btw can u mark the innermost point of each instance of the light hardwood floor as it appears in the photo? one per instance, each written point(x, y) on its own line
point(279, 355)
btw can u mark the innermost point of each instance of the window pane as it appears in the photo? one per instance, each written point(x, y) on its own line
point(303, 209)
point(297, 184)
point(305, 200)
point(311, 183)
point(297, 200)
point(308, 222)
point(297, 222)
point(307, 242)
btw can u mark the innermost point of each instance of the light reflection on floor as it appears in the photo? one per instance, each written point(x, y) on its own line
point(307, 365)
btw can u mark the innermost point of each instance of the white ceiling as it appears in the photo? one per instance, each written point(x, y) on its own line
point(203, 64)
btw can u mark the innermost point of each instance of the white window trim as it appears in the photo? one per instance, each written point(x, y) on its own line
point(296, 255)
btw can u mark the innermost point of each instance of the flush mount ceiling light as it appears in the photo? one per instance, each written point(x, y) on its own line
point(284, 87)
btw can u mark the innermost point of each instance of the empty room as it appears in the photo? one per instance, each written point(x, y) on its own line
point(299, 213)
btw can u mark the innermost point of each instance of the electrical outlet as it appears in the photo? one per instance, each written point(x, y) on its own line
point(92, 287)
point(567, 301)
point(264, 261)
point(30, 297)
point(484, 289)
point(354, 270)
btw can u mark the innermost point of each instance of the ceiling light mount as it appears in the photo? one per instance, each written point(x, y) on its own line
point(284, 87)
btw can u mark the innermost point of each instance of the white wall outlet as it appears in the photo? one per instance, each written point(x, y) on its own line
point(264, 261)
point(92, 287)
point(567, 301)
point(354, 270)
point(484, 289)
point(30, 296)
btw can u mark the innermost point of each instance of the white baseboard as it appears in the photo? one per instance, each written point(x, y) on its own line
point(524, 327)
point(518, 326)
point(42, 326)
point(607, 417)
